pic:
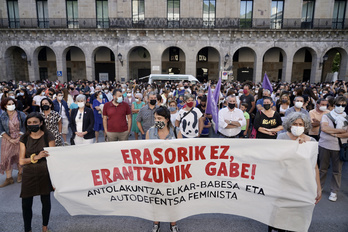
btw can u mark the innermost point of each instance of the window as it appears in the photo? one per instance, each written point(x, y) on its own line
point(42, 14)
point(174, 54)
point(173, 13)
point(246, 14)
point(102, 14)
point(13, 15)
point(277, 8)
point(72, 14)
point(307, 14)
point(339, 14)
point(209, 7)
point(138, 12)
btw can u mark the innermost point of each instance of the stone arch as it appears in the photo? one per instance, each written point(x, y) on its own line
point(303, 61)
point(104, 63)
point(75, 63)
point(46, 59)
point(327, 62)
point(273, 63)
point(173, 60)
point(207, 63)
point(17, 61)
point(139, 62)
point(243, 65)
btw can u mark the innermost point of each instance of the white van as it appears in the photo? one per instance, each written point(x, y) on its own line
point(169, 77)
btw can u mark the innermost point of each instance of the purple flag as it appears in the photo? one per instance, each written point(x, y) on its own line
point(212, 107)
point(266, 84)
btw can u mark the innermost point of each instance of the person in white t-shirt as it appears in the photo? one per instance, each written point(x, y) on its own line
point(189, 119)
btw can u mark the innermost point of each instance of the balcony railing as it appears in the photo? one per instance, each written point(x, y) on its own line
point(164, 23)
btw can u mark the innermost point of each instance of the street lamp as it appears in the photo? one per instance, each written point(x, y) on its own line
point(119, 56)
point(325, 57)
point(227, 57)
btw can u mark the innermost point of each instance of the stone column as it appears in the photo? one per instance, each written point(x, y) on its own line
point(156, 64)
point(61, 66)
point(257, 74)
point(89, 68)
point(316, 70)
point(190, 66)
point(287, 68)
point(33, 69)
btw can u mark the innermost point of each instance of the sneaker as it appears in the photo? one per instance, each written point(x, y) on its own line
point(174, 228)
point(66, 144)
point(333, 196)
point(156, 227)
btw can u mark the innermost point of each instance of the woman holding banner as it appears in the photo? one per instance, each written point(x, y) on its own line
point(296, 125)
point(36, 180)
point(163, 129)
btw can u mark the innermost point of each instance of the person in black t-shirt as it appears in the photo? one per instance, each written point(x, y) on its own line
point(267, 122)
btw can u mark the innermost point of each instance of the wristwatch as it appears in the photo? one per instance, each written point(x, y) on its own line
point(230, 122)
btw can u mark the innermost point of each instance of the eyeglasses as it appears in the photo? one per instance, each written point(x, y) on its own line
point(80, 116)
point(338, 105)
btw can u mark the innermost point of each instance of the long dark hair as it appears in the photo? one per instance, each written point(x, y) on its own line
point(38, 116)
point(164, 112)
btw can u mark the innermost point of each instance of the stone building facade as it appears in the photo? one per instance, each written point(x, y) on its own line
point(293, 40)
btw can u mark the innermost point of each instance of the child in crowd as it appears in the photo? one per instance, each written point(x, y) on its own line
point(244, 132)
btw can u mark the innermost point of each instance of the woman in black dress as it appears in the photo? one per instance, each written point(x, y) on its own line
point(36, 180)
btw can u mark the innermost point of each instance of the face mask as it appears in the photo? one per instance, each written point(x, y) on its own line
point(11, 107)
point(231, 105)
point(60, 98)
point(123, 90)
point(21, 94)
point(153, 102)
point(245, 91)
point(138, 91)
point(33, 128)
point(323, 108)
point(101, 96)
point(339, 109)
point(106, 91)
point(172, 109)
point(129, 94)
point(189, 104)
point(81, 104)
point(12, 97)
point(180, 101)
point(297, 130)
point(43, 94)
point(298, 105)
point(284, 101)
point(267, 106)
point(136, 99)
point(45, 107)
point(103, 86)
point(119, 100)
point(159, 124)
point(181, 88)
point(294, 93)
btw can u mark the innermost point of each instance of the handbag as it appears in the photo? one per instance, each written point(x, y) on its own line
point(253, 133)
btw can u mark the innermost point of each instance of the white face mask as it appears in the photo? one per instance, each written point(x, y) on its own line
point(323, 108)
point(298, 105)
point(136, 99)
point(60, 98)
point(43, 94)
point(11, 107)
point(339, 109)
point(81, 104)
point(297, 130)
point(129, 94)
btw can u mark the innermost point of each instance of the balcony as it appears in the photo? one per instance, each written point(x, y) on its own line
point(164, 23)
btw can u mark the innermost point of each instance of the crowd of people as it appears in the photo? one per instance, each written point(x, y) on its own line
point(38, 114)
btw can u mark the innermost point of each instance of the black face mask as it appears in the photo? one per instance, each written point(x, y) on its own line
point(153, 102)
point(45, 107)
point(284, 101)
point(231, 106)
point(33, 128)
point(267, 106)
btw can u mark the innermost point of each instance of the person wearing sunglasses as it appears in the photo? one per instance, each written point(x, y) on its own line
point(334, 131)
point(82, 122)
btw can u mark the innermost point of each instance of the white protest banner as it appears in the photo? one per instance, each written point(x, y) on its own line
point(271, 181)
